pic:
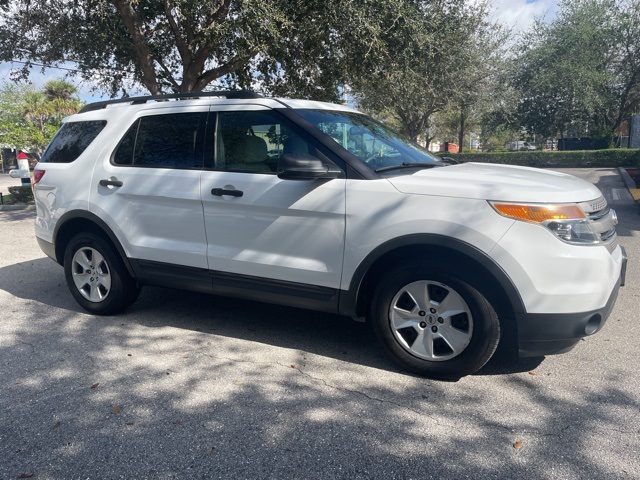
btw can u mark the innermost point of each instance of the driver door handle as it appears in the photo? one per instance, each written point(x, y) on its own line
point(219, 192)
point(105, 182)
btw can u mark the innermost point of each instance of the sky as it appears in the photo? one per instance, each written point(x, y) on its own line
point(519, 14)
point(515, 14)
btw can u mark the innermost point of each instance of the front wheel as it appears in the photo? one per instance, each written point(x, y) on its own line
point(433, 323)
point(96, 275)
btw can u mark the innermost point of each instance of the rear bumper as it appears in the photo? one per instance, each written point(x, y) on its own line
point(548, 334)
point(47, 247)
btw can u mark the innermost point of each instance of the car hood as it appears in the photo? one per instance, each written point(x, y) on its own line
point(505, 183)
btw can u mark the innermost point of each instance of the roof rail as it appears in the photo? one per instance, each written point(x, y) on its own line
point(177, 96)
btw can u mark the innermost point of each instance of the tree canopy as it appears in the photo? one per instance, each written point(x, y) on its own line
point(581, 72)
point(302, 48)
point(430, 56)
point(179, 45)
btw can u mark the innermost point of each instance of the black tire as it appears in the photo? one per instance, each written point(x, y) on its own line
point(96, 275)
point(432, 323)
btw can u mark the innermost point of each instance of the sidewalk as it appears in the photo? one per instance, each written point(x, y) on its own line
point(6, 181)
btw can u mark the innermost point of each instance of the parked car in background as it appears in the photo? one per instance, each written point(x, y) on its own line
point(520, 145)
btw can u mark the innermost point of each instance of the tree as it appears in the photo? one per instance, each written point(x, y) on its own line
point(180, 45)
point(59, 90)
point(29, 118)
point(581, 72)
point(479, 86)
point(425, 60)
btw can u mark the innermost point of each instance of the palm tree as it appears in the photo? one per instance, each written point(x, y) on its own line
point(36, 108)
point(44, 109)
point(59, 89)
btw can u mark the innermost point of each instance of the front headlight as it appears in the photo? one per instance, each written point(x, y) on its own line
point(567, 221)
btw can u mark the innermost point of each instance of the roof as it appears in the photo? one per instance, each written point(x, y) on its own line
point(227, 97)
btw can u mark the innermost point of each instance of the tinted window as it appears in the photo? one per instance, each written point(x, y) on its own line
point(167, 141)
point(72, 139)
point(124, 152)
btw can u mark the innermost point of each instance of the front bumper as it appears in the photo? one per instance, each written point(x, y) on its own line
point(547, 333)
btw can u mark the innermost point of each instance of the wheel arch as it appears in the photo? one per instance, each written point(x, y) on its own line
point(79, 221)
point(481, 272)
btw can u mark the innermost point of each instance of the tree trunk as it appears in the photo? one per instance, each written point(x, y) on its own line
point(461, 132)
point(140, 46)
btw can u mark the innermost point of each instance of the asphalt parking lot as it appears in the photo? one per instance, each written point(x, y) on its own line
point(193, 386)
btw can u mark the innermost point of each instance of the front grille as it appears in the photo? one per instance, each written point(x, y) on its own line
point(604, 220)
point(597, 205)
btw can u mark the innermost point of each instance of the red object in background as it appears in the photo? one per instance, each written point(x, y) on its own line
point(22, 156)
point(450, 147)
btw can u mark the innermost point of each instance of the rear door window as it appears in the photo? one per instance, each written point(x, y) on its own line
point(164, 141)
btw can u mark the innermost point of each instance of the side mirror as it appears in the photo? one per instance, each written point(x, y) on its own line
point(302, 166)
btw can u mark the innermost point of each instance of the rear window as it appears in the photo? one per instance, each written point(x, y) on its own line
point(71, 140)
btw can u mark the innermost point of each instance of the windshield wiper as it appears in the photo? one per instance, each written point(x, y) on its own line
point(413, 165)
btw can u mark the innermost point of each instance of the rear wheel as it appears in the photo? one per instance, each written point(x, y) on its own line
point(96, 275)
point(433, 323)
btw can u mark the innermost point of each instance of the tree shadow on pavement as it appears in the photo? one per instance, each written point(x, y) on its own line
point(41, 281)
point(181, 394)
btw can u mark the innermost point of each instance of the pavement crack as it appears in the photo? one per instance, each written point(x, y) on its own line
point(358, 392)
point(325, 383)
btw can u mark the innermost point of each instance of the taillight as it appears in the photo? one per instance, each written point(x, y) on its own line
point(37, 175)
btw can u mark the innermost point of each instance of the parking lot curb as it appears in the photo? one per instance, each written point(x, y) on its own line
point(630, 183)
point(9, 208)
point(626, 178)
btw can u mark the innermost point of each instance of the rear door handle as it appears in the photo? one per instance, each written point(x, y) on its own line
point(219, 192)
point(105, 182)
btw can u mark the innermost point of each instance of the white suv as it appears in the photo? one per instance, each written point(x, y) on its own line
point(318, 206)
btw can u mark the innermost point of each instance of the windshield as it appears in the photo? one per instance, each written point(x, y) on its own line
point(370, 141)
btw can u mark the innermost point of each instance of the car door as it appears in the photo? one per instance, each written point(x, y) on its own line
point(149, 190)
point(269, 234)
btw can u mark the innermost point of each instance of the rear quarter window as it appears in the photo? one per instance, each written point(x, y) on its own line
point(71, 140)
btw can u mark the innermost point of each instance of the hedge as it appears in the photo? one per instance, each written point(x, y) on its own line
point(618, 157)
point(21, 194)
